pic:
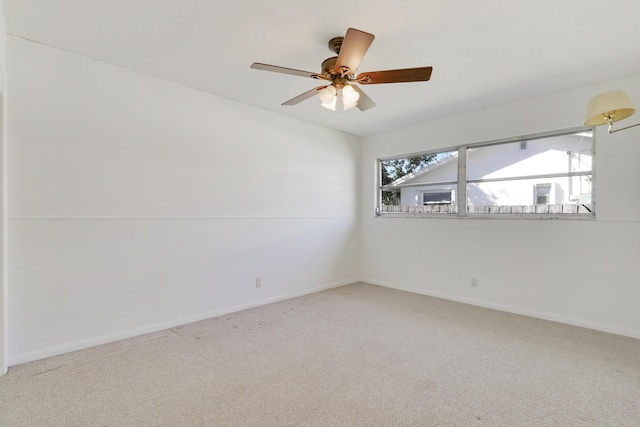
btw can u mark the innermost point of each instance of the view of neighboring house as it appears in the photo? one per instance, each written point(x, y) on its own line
point(547, 171)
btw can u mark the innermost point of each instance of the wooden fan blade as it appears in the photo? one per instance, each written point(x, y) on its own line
point(355, 45)
point(364, 102)
point(421, 74)
point(283, 70)
point(308, 94)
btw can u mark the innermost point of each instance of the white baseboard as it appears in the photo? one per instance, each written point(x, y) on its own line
point(603, 327)
point(18, 359)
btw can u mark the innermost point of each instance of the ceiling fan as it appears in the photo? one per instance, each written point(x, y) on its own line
point(340, 72)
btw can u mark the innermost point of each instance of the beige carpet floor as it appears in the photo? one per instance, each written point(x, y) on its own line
point(358, 355)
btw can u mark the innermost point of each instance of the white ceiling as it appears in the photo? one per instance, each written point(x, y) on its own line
point(483, 52)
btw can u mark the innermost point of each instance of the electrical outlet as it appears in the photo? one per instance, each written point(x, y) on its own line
point(474, 282)
point(258, 282)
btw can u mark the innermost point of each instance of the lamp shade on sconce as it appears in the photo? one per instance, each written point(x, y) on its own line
point(607, 108)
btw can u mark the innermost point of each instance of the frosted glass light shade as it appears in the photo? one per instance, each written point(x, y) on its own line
point(332, 105)
point(328, 97)
point(349, 97)
point(608, 107)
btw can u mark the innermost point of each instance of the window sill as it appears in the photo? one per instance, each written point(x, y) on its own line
point(580, 217)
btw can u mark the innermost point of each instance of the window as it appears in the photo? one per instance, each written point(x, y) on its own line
point(543, 175)
point(543, 194)
point(437, 197)
point(419, 184)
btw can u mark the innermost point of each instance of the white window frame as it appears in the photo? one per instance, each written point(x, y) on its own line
point(463, 181)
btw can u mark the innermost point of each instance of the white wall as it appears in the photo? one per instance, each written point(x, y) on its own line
point(581, 272)
point(3, 197)
point(137, 204)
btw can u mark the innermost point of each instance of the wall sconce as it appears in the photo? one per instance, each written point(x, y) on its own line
point(607, 108)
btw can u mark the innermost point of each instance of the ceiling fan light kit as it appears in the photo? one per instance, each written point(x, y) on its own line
point(330, 95)
point(340, 72)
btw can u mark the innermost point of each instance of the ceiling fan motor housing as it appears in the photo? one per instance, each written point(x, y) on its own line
point(335, 44)
point(329, 65)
